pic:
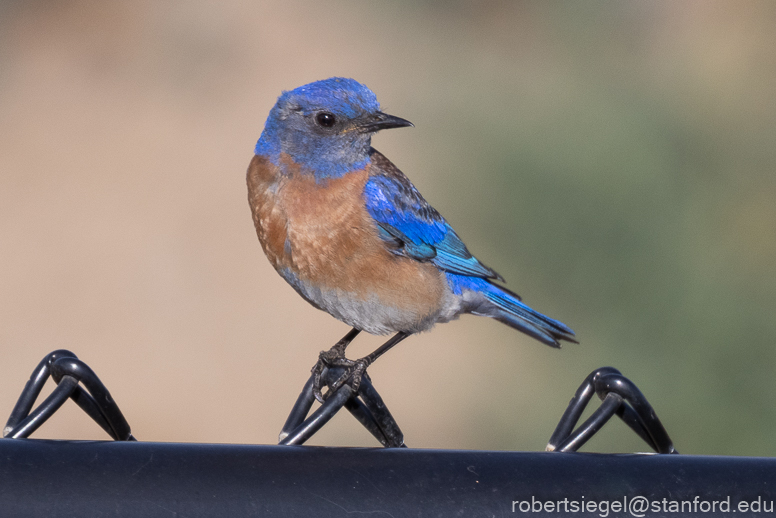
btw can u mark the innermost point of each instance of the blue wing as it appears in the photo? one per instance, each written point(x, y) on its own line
point(411, 227)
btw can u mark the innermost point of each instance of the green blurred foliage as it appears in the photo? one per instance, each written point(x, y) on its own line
point(634, 177)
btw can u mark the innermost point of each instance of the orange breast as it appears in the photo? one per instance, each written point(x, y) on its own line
point(322, 232)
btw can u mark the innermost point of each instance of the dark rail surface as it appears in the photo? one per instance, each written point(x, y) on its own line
point(84, 479)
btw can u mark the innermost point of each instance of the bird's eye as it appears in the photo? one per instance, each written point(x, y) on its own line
point(325, 119)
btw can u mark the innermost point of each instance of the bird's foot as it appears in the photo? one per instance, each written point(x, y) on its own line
point(334, 357)
point(354, 372)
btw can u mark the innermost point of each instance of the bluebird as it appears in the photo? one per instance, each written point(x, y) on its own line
point(354, 237)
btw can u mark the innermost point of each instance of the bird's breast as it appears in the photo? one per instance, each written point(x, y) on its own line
point(320, 237)
point(314, 228)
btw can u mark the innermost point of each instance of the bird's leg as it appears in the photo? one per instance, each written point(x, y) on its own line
point(334, 356)
point(357, 368)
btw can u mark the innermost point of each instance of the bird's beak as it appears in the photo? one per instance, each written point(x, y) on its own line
point(381, 121)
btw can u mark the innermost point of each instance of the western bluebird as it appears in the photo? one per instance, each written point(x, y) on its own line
point(352, 235)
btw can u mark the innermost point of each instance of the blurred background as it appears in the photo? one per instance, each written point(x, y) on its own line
point(614, 161)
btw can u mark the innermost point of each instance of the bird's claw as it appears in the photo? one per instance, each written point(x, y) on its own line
point(354, 372)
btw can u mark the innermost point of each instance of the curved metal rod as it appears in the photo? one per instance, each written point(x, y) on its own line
point(67, 371)
point(620, 396)
point(363, 415)
point(98, 401)
point(576, 406)
point(45, 410)
point(594, 423)
point(32, 389)
point(319, 418)
point(390, 435)
point(643, 413)
point(300, 409)
point(366, 406)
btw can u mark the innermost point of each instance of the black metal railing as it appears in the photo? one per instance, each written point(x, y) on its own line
point(40, 478)
point(619, 397)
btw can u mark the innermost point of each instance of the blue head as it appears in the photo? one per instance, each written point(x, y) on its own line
point(325, 126)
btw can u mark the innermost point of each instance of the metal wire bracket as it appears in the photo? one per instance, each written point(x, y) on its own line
point(67, 371)
point(620, 396)
point(366, 405)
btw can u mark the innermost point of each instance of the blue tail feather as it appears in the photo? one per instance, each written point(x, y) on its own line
point(506, 307)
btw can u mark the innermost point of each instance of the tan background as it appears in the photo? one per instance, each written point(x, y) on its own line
point(613, 160)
